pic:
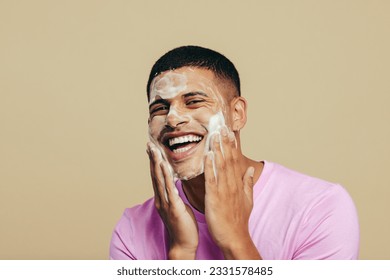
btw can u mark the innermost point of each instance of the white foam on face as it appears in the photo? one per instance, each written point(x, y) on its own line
point(169, 86)
point(216, 123)
point(173, 112)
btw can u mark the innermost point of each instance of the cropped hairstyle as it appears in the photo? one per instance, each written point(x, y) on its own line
point(195, 56)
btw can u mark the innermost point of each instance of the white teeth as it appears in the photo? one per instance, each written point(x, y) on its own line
point(181, 150)
point(184, 139)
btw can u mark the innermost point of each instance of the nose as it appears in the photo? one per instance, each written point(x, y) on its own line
point(175, 118)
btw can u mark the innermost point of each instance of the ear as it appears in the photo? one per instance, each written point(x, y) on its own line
point(238, 109)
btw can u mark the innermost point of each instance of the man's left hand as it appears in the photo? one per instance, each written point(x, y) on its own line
point(229, 198)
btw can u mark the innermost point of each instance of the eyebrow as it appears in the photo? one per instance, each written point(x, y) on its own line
point(194, 93)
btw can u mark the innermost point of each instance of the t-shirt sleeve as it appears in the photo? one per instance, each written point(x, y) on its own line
point(120, 246)
point(330, 228)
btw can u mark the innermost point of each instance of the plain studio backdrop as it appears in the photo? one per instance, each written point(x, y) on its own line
point(73, 108)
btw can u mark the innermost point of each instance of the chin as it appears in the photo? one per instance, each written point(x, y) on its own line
point(189, 170)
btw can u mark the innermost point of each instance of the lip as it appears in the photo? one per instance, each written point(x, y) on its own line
point(177, 157)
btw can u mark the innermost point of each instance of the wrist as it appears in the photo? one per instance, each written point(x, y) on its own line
point(244, 249)
point(180, 253)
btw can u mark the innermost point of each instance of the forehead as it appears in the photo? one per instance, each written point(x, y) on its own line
point(171, 83)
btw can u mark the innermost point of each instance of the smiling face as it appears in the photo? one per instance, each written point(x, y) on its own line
point(186, 107)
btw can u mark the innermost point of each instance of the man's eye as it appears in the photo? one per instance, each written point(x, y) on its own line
point(194, 101)
point(159, 109)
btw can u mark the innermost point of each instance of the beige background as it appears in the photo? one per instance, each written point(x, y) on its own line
point(73, 111)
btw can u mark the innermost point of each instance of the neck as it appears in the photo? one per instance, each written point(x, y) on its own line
point(194, 189)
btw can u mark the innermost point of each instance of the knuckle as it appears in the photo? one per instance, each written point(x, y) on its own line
point(234, 158)
point(234, 192)
point(225, 139)
point(231, 160)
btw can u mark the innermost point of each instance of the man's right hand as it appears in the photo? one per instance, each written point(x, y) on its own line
point(176, 215)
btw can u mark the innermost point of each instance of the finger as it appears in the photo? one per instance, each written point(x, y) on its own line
point(210, 173)
point(248, 182)
point(233, 168)
point(153, 177)
point(157, 154)
point(225, 144)
point(219, 161)
point(234, 161)
point(157, 198)
point(158, 176)
point(170, 188)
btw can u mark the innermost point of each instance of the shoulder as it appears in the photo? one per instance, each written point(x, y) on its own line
point(329, 227)
point(302, 193)
point(299, 188)
point(138, 212)
point(324, 212)
point(305, 217)
point(287, 176)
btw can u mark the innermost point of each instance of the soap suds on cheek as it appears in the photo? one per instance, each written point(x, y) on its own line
point(216, 123)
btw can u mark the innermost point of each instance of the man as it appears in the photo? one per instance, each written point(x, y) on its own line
point(212, 202)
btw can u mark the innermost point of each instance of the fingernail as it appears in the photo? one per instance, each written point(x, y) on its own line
point(157, 154)
point(231, 136)
point(210, 155)
point(224, 131)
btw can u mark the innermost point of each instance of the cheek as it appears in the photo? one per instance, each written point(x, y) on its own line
point(227, 118)
point(155, 126)
point(206, 114)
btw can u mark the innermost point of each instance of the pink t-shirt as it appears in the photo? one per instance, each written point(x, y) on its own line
point(294, 217)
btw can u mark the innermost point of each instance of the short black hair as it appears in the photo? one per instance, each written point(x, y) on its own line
point(196, 56)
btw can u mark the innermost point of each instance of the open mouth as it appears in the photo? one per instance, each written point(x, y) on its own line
point(182, 144)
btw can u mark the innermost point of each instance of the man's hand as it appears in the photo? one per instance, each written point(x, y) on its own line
point(177, 216)
point(229, 198)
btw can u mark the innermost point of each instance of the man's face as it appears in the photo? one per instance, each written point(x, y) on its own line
point(186, 107)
